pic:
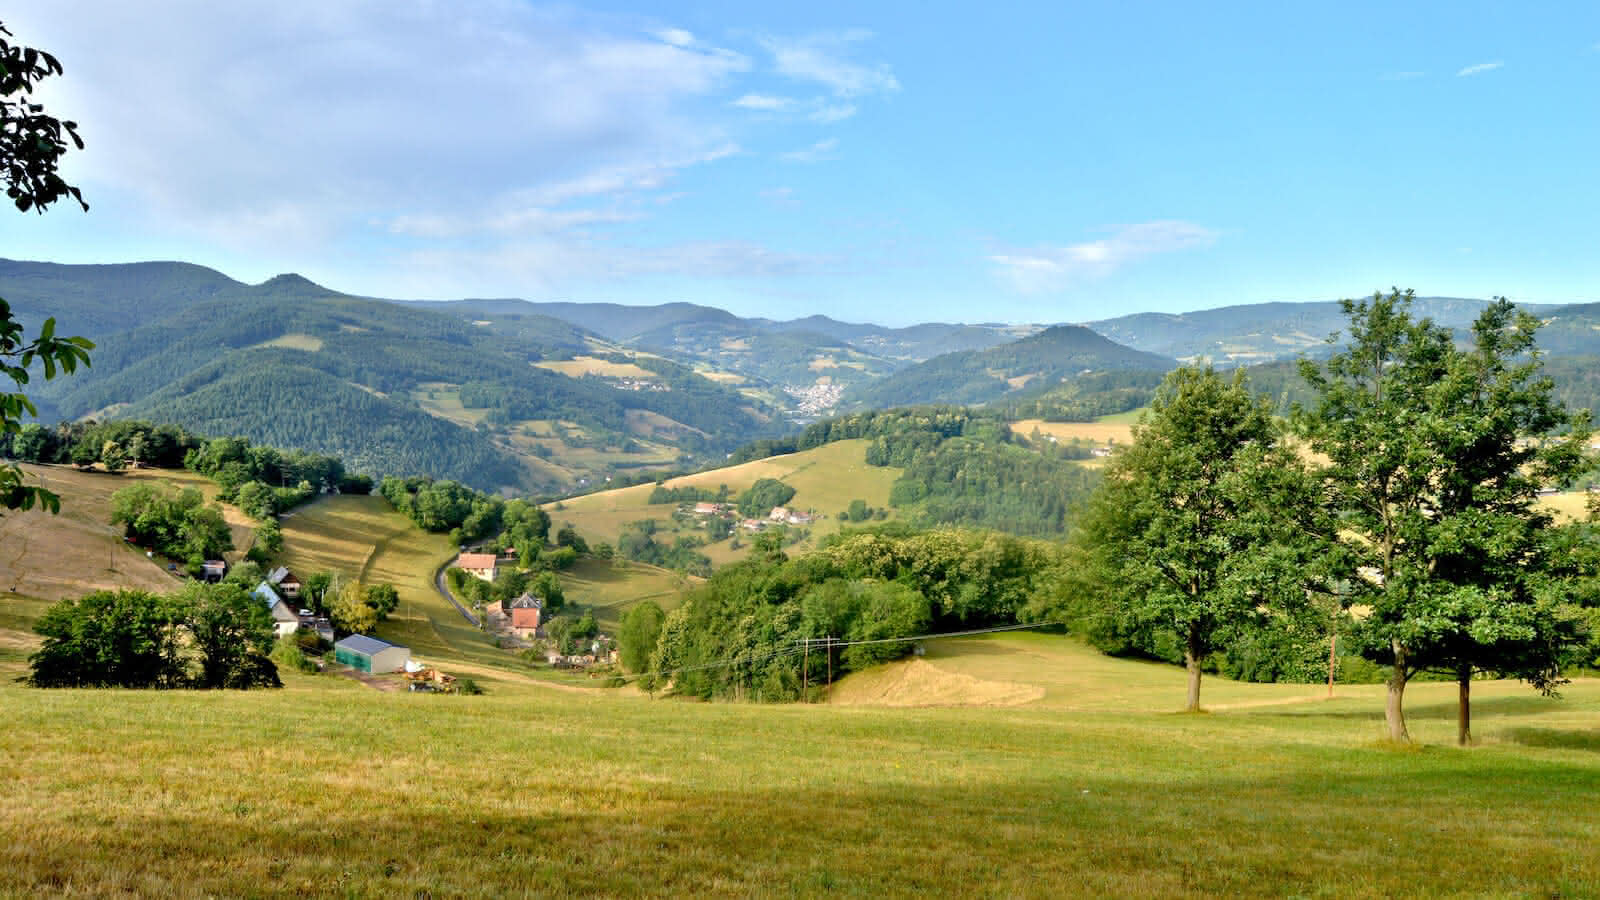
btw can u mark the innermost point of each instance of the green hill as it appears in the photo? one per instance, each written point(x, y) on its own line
point(292, 364)
point(983, 376)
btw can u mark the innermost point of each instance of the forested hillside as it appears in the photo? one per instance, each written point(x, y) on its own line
point(290, 363)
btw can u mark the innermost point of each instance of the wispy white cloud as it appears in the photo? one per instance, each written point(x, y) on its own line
point(677, 37)
point(1044, 269)
point(1479, 68)
point(824, 59)
point(819, 152)
point(763, 102)
point(833, 112)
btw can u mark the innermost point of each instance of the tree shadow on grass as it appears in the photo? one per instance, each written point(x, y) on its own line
point(1555, 738)
point(1490, 706)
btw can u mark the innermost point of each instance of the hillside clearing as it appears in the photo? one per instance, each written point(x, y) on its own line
point(825, 479)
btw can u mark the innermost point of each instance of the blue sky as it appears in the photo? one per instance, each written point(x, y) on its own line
point(886, 162)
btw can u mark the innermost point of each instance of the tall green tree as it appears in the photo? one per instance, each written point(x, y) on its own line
point(233, 633)
point(638, 633)
point(1199, 532)
point(1435, 457)
point(32, 143)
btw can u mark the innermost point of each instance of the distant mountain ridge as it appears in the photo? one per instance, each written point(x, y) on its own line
point(983, 376)
point(1263, 332)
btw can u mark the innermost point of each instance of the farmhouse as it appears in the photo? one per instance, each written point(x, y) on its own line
point(284, 619)
point(478, 565)
point(708, 509)
point(286, 582)
point(368, 654)
point(525, 613)
point(789, 516)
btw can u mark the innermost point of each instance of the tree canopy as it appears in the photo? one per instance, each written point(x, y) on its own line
point(1436, 454)
point(32, 143)
point(1200, 529)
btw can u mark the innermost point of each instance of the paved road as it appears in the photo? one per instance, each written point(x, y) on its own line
point(444, 591)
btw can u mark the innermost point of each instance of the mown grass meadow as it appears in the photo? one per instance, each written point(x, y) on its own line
point(330, 787)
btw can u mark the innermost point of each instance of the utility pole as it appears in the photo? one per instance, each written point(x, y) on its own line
point(805, 670)
point(1333, 646)
point(830, 664)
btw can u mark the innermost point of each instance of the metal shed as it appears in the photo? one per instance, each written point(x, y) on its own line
point(368, 654)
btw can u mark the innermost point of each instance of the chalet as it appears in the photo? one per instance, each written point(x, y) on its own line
point(525, 613)
point(752, 524)
point(779, 514)
point(285, 581)
point(478, 565)
point(707, 509)
point(213, 569)
point(284, 619)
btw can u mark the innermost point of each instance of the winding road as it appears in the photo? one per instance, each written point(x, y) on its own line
point(444, 591)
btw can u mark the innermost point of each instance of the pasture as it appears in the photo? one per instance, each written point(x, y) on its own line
point(49, 557)
point(1093, 789)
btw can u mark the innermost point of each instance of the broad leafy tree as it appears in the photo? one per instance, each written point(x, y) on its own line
point(109, 639)
point(1435, 454)
point(32, 143)
point(638, 633)
point(233, 634)
point(1200, 531)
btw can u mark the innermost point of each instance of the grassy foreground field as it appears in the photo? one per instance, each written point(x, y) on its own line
point(1093, 789)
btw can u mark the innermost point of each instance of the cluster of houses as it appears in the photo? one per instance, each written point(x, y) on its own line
point(523, 618)
point(780, 515)
point(279, 591)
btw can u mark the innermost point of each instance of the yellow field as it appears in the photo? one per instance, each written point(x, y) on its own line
point(1569, 506)
point(825, 479)
point(579, 366)
point(1100, 432)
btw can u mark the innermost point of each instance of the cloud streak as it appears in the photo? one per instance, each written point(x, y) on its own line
point(823, 59)
point(1047, 269)
point(821, 151)
point(1479, 69)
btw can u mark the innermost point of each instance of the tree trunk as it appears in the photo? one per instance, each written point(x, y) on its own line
point(1191, 661)
point(1464, 708)
point(1393, 711)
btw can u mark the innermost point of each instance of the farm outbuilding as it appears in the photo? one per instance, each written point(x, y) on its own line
point(368, 654)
